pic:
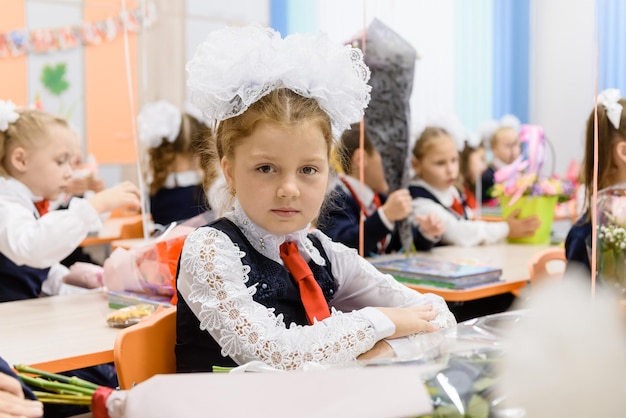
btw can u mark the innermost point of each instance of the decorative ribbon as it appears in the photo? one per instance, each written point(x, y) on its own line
point(609, 98)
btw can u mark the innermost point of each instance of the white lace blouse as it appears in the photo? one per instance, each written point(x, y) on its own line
point(212, 281)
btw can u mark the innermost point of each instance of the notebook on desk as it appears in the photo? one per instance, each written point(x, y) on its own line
point(438, 273)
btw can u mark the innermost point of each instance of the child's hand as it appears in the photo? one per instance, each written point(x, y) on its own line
point(398, 205)
point(124, 194)
point(85, 275)
point(522, 227)
point(12, 402)
point(411, 320)
point(380, 350)
point(431, 225)
point(95, 184)
point(77, 186)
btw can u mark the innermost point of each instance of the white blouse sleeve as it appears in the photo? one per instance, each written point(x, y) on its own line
point(463, 232)
point(212, 280)
point(361, 284)
point(42, 242)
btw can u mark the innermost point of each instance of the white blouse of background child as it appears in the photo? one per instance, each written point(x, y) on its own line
point(458, 231)
point(42, 242)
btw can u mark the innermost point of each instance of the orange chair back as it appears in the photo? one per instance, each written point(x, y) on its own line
point(548, 264)
point(146, 349)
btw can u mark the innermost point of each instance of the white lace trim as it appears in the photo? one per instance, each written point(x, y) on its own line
point(269, 244)
point(247, 330)
point(236, 66)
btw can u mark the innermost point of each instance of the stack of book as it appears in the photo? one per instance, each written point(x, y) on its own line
point(446, 274)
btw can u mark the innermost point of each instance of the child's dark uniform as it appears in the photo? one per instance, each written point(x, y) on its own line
point(340, 219)
point(197, 351)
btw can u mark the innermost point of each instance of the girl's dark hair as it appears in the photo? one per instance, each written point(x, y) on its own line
point(351, 141)
point(466, 177)
point(187, 143)
point(608, 137)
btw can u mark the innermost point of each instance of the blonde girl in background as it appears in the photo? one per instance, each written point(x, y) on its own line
point(174, 174)
point(504, 144)
point(435, 161)
point(611, 169)
point(257, 283)
point(36, 149)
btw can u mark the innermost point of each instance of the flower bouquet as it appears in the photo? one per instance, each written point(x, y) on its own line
point(520, 185)
point(611, 237)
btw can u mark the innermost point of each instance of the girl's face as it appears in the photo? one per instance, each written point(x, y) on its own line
point(46, 169)
point(280, 175)
point(507, 146)
point(439, 166)
point(477, 163)
point(374, 173)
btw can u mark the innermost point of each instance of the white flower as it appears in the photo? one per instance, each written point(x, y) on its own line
point(7, 114)
point(157, 121)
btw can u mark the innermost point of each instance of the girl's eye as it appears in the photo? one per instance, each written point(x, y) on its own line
point(309, 170)
point(265, 169)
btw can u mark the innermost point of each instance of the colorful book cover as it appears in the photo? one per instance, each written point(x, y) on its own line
point(122, 299)
point(438, 273)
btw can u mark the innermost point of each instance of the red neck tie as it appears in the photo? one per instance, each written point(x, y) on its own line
point(457, 207)
point(42, 206)
point(315, 304)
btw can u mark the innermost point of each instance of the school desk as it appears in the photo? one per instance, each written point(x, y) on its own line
point(57, 333)
point(115, 228)
point(511, 258)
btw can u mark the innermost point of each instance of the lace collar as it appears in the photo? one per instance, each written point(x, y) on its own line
point(267, 243)
point(445, 196)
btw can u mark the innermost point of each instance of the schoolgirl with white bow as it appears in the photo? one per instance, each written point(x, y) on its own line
point(35, 153)
point(257, 283)
point(171, 138)
point(502, 136)
point(434, 189)
point(611, 169)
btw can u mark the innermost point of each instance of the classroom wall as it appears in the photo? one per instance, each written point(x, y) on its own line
point(563, 73)
point(562, 64)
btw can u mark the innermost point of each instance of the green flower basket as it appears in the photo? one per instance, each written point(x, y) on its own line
point(542, 206)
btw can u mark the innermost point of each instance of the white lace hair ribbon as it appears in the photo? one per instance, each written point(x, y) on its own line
point(156, 121)
point(609, 98)
point(236, 66)
point(489, 127)
point(7, 114)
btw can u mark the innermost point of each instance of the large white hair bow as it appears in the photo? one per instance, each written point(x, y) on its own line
point(488, 128)
point(609, 98)
point(236, 66)
point(7, 114)
point(156, 121)
point(453, 126)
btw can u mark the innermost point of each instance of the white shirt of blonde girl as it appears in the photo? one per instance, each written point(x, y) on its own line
point(212, 281)
point(458, 231)
point(26, 239)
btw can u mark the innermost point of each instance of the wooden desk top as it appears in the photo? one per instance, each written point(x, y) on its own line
point(111, 230)
point(511, 258)
point(57, 333)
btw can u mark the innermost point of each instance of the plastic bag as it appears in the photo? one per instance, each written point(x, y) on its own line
point(149, 269)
